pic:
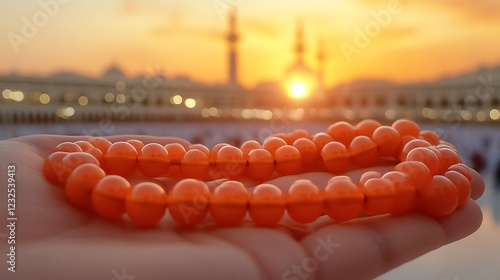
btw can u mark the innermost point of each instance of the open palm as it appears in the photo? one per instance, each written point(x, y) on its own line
point(57, 241)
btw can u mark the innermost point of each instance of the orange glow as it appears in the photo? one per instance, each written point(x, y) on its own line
point(298, 90)
point(187, 39)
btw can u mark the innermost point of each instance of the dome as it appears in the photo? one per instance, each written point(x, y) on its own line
point(113, 73)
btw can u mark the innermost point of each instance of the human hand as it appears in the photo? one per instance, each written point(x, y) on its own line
point(58, 241)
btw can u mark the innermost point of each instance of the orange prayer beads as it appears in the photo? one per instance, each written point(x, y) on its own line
point(429, 176)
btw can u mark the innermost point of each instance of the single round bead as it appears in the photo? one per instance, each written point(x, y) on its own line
point(412, 144)
point(260, 164)
point(72, 161)
point(248, 146)
point(443, 143)
point(404, 140)
point(288, 160)
point(230, 162)
point(343, 200)
point(146, 204)
point(109, 195)
point(439, 157)
point(229, 203)
point(188, 202)
point(405, 192)
point(176, 153)
point(336, 157)
point(266, 205)
point(153, 160)
point(448, 158)
point(120, 159)
point(200, 147)
point(297, 134)
point(195, 164)
point(418, 172)
point(321, 139)
point(101, 143)
point(273, 143)
point(81, 183)
point(363, 151)
point(138, 145)
point(342, 132)
point(52, 167)
point(334, 179)
point(406, 127)
point(425, 156)
point(387, 140)
point(463, 186)
point(283, 136)
point(339, 178)
point(84, 145)
point(380, 196)
point(463, 169)
point(308, 151)
point(95, 152)
point(430, 136)
point(367, 176)
point(438, 198)
point(67, 147)
point(367, 127)
point(215, 151)
point(436, 152)
point(304, 201)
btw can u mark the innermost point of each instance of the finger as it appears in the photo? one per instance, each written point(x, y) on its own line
point(382, 243)
point(477, 183)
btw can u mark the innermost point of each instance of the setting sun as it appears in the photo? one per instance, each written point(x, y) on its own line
point(298, 90)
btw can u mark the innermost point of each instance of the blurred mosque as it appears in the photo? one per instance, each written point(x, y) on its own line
point(472, 97)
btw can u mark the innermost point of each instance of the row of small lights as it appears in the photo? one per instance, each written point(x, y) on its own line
point(177, 100)
point(466, 115)
point(43, 98)
point(15, 95)
point(236, 113)
point(190, 103)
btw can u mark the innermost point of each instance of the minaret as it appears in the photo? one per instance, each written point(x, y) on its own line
point(299, 42)
point(232, 41)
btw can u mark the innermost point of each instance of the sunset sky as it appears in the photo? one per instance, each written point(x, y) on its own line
point(422, 40)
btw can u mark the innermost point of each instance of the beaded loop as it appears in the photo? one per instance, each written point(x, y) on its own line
point(429, 176)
